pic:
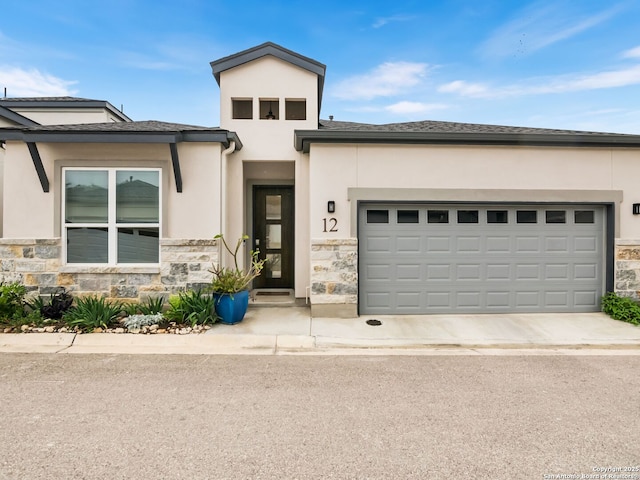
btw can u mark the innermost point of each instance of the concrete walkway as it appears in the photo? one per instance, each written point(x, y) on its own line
point(291, 330)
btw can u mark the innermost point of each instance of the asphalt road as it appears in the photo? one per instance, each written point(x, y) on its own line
point(304, 417)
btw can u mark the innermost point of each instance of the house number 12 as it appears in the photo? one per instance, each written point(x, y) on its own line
point(330, 225)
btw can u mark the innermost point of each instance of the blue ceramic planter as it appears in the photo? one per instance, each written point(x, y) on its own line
point(231, 307)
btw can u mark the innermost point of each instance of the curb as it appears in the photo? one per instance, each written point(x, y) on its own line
point(253, 344)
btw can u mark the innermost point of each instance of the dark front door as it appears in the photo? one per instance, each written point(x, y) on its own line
point(273, 234)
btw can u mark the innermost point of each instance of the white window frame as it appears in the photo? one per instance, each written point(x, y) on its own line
point(111, 225)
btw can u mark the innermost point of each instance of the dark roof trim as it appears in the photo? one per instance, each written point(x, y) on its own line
point(16, 117)
point(37, 162)
point(223, 136)
point(269, 48)
point(63, 102)
point(175, 162)
point(304, 138)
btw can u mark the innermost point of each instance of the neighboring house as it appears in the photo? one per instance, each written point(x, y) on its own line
point(406, 218)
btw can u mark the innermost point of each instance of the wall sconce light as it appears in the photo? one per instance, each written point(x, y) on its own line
point(331, 206)
point(636, 208)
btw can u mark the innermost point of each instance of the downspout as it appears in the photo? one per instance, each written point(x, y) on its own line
point(223, 196)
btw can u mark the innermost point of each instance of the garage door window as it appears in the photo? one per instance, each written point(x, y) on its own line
point(438, 216)
point(584, 216)
point(527, 216)
point(556, 216)
point(377, 216)
point(407, 216)
point(497, 216)
point(467, 216)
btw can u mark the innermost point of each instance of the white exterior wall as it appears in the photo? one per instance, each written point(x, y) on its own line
point(269, 141)
point(31, 213)
point(335, 169)
point(67, 116)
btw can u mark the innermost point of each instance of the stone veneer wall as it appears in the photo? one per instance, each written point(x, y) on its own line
point(334, 277)
point(37, 264)
point(627, 268)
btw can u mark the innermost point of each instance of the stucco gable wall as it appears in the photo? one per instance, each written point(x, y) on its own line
point(268, 139)
point(31, 213)
point(335, 169)
point(66, 116)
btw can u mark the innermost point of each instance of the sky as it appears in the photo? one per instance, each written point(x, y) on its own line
point(568, 64)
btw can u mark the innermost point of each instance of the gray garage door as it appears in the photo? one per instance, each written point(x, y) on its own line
point(480, 258)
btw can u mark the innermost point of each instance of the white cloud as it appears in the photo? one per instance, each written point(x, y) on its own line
point(548, 85)
point(382, 21)
point(540, 25)
point(33, 83)
point(463, 88)
point(388, 79)
point(412, 108)
point(632, 53)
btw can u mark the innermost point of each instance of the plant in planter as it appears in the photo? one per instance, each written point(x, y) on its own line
point(230, 285)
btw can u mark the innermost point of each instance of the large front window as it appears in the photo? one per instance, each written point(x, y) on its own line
point(111, 216)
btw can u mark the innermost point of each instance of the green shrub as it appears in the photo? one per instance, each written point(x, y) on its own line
point(192, 307)
point(93, 312)
point(150, 306)
point(12, 300)
point(621, 308)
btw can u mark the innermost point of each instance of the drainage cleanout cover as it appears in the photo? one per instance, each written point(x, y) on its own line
point(374, 322)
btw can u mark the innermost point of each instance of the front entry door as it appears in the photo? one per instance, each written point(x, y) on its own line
point(273, 234)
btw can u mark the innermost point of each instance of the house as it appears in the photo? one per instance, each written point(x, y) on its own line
point(406, 218)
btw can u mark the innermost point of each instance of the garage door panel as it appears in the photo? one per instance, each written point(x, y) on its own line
point(586, 299)
point(425, 259)
point(556, 245)
point(468, 245)
point(528, 271)
point(527, 244)
point(438, 245)
point(586, 244)
point(498, 272)
point(379, 244)
point(557, 298)
point(498, 299)
point(585, 271)
point(468, 299)
point(438, 272)
point(468, 272)
point(408, 272)
point(408, 244)
point(500, 244)
point(408, 300)
point(556, 271)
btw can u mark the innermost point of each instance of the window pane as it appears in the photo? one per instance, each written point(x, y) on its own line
point(467, 216)
point(274, 236)
point(497, 216)
point(86, 196)
point(138, 245)
point(584, 216)
point(242, 109)
point(137, 197)
point(273, 266)
point(438, 216)
point(274, 207)
point(527, 216)
point(377, 216)
point(556, 216)
point(295, 109)
point(407, 216)
point(269, 109)
point(87, 245)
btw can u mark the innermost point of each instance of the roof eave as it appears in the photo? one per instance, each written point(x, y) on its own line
point(304, 138)
point(223, 137)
